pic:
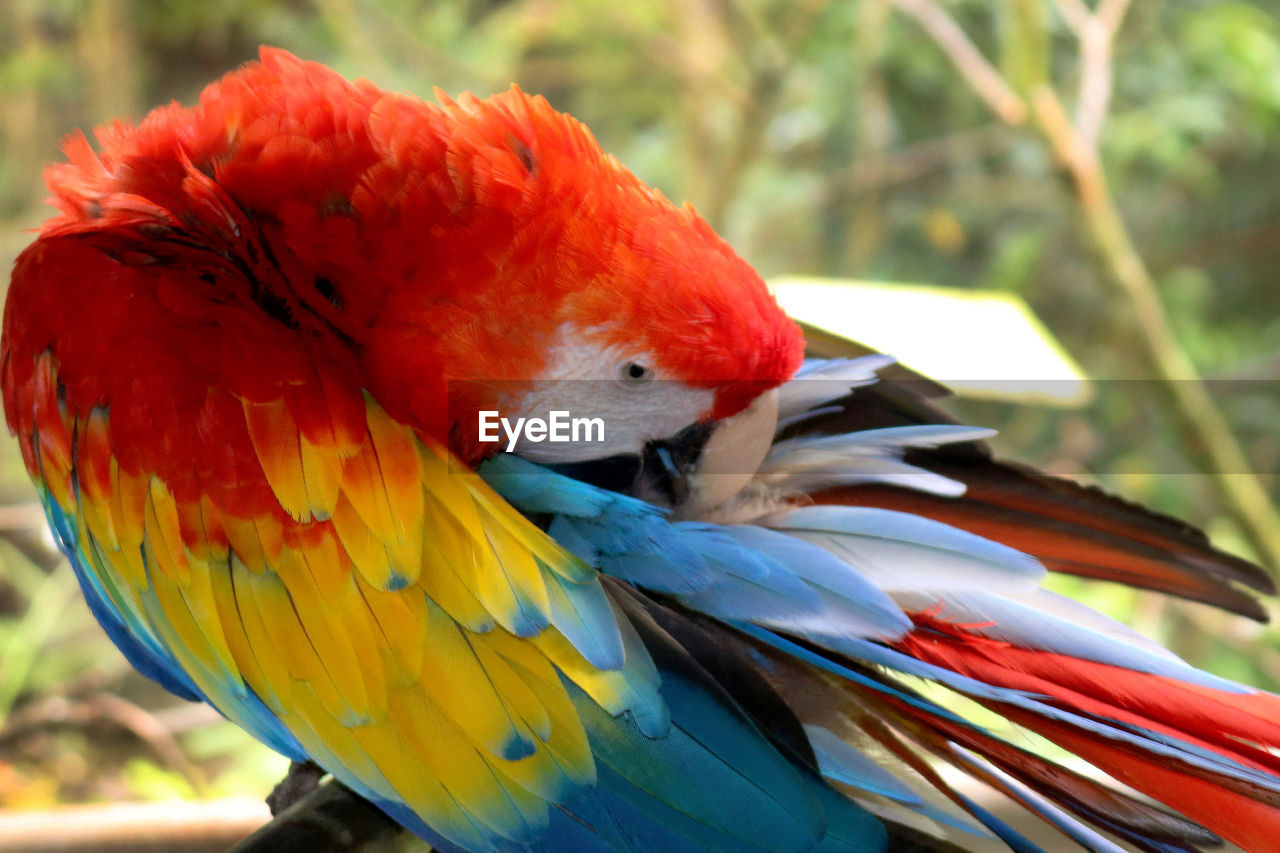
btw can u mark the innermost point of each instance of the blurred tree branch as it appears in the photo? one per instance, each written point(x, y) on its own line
point(99, 708)
point(1075, 144)
point(192, 827)
point(109, 55)
point(972, 65)
point(331, 818)
point(909, 163)
point(872, 133)
point(708, 35)
point(1095, 32)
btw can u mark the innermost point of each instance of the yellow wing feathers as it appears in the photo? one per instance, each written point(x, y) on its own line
point(397, 617)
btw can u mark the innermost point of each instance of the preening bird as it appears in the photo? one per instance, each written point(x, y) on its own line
point(247, 363)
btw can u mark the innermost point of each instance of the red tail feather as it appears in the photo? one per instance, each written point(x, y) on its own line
point(1233, 725)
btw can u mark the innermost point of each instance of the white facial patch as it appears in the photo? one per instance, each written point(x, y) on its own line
point(584, 380)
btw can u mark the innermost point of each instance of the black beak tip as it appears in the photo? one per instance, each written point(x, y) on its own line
point(660, 473)
point(667, 464)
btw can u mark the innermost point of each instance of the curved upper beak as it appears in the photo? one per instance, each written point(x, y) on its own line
point(732, 455)
point(696, 470)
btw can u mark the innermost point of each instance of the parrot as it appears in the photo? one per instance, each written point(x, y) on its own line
point(774, 604)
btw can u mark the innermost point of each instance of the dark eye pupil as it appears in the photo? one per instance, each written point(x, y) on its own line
point(326, 288)
point(636, 371)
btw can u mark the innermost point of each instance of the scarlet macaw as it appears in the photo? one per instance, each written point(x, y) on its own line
point(247, 362)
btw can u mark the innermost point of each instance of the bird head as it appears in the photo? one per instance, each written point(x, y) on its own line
point(590, 295)
point(447, 259)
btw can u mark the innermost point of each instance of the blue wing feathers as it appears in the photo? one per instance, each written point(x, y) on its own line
point(582, 613)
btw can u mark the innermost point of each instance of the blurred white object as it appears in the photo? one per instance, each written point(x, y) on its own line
point(980, 343)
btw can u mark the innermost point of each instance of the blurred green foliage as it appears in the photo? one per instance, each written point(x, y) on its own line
point(819, 137)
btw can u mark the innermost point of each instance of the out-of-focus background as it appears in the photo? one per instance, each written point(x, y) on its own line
point(1113, 166)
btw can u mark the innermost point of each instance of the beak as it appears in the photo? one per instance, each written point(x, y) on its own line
point(732, 455)
point(696, 470)
point(667, 466)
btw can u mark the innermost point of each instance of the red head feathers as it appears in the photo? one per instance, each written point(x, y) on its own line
point(293, 222)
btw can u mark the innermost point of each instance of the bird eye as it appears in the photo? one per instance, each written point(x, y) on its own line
point(326, 288)
point(634, 373)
